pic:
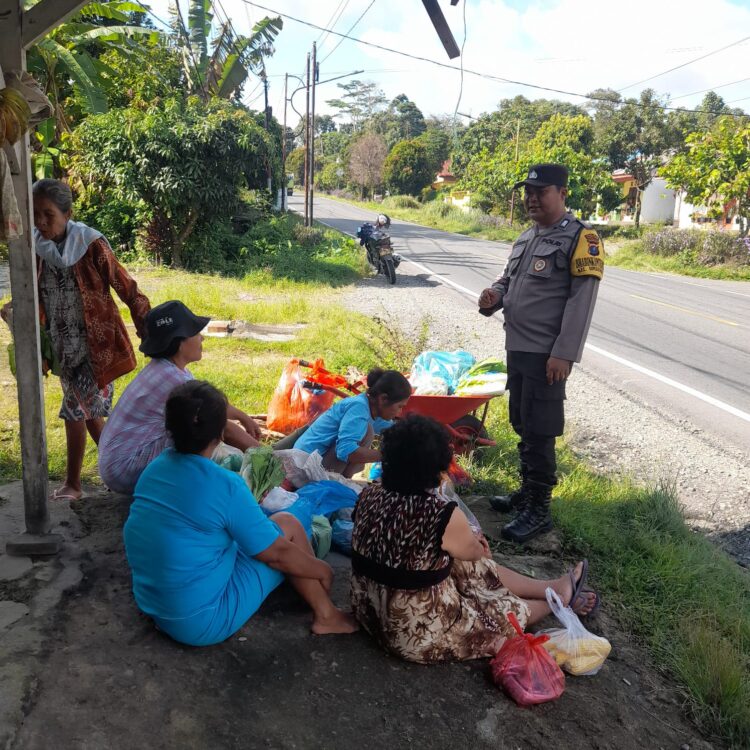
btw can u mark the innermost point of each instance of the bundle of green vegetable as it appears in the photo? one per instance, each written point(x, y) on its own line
point(486, 378)
point(261, 470)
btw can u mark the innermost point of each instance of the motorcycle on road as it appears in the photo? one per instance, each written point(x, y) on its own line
point(377, 243)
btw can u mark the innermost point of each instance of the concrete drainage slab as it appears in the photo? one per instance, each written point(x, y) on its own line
point(240, 329)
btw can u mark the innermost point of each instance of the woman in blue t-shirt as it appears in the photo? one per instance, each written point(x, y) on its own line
point(203, 554)
point(343, 434)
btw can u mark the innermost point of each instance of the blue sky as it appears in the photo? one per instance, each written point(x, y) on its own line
point(573, 45)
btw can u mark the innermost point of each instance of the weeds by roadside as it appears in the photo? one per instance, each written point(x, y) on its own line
point(707, 255)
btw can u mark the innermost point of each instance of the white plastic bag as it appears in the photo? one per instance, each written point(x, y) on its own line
point(575, 649)
point(425, 384)
point(279, 499)
point(301, 468)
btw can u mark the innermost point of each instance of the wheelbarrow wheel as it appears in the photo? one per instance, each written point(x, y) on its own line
point(469, 428)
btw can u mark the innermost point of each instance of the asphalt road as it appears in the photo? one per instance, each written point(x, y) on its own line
point(681, 344)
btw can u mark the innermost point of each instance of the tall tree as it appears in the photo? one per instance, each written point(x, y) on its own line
point(366, 158)
point(438, 141)
point(359, 102)
point(635, 136)
point(515, 118)
point(402, 121)
point(406, 169)
point(715, 170)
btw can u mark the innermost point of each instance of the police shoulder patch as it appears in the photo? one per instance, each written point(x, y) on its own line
point(588, 256)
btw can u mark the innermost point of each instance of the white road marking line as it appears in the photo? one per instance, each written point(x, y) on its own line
point(614, 357)
point(702, 286)
point(672, 383)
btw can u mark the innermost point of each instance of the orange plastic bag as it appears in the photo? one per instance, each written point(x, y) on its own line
point(293, 406)
point(525, 670)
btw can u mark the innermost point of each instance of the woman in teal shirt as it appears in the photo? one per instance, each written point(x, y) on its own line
point(343, 434)
point(203, 554)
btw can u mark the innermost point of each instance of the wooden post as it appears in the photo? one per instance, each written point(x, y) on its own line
point(283, 148)
point(26, 317)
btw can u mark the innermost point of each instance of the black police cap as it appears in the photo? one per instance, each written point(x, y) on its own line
point(541, 175)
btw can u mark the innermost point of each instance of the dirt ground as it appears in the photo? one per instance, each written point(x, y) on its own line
point(86, 670)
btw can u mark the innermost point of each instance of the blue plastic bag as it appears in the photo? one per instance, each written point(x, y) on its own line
point(320, 499)
point(448, 366)
point(341, 535)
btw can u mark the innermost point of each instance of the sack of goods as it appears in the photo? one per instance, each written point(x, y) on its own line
point(525, 671)
point(576, 650)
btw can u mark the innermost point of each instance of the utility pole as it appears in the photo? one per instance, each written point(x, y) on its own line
point(307, 145)
point(312, 129)
point(513, 194)
point(269, 180)
point(283, 149)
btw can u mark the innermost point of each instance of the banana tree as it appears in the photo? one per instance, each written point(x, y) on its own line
point(66, 58)
point(234, 57)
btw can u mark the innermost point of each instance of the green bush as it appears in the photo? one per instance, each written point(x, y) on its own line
point(400, 201)
point(620, 231)
point(708, 248)
point(308, 236)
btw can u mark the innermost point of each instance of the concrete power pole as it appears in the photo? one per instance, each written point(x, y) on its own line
point(307, 145)
point(312, 130)
point(283, 148)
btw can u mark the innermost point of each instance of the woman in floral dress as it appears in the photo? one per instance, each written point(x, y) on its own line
point(423, 583)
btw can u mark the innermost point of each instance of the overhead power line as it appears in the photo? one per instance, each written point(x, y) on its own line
point(685, 64)
point(705, 91)
point(332, 21)
point(349, 31)
point(479, 74)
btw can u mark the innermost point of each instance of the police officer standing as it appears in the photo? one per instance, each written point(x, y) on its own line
point(547, 294)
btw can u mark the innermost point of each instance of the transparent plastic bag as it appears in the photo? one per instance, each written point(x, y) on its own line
point(574, 649)
point(301, 468)
point(525, 671)
point(448, 366)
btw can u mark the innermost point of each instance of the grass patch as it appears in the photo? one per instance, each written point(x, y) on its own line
point(472, 223)
point(631, 256)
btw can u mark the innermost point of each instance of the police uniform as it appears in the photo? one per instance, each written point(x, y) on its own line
point(547, 293)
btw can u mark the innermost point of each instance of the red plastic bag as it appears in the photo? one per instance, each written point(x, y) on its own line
point(293, 406)
point(525, 670)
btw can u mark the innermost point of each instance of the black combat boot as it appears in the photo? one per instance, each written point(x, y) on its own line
point(535, 518)
point(515, 500)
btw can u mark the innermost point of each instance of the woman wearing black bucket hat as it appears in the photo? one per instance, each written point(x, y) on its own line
point(135, 433)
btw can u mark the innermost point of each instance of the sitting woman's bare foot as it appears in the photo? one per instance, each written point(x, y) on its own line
point(335, 622)
point(66, 492)
point(563, 586)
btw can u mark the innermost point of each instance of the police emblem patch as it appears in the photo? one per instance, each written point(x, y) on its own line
point(593, 250)
point(532, 175)
point(540, 265)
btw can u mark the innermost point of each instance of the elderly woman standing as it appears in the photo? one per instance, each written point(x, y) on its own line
point(76, 269)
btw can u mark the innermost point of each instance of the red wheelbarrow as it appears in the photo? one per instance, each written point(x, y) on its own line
point(459, 414)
